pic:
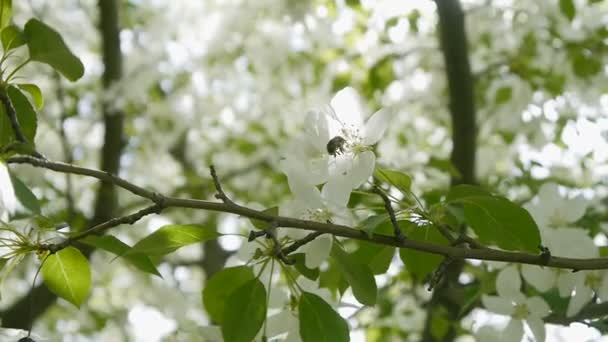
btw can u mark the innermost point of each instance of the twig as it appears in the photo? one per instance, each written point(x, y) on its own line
point(439, 272)
point(271, 233)
point(12, 117)
point(221, 195)
point(299, 243)
point(455, 253)
point(391, 213)
point(128, 219)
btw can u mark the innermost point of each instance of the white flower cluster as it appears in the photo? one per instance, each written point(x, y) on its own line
point(555, 214)
point(335, 151)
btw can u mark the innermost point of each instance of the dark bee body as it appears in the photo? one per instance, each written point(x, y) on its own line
point(336, 145)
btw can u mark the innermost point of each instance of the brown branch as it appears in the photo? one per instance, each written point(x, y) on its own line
point(457, 253)
point(299, 243)
point(391, 213)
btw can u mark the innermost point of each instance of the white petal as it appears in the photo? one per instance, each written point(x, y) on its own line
point(560, 243)
point(514, 331)
point(347, 106)
point(549, 193)
point(538, 328)
point(317, 250)
point(315, 125)
point(508, 283)
point(498, 305)
point(375, 126)
point(336, 192)
point(8, 201)
point(543, 279)
point(574, 209)
point(566, 281)
point(362, 169)
point(537, 306)
point(582, 296)
point(602, 292)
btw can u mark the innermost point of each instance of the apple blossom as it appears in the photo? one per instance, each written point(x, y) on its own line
point(8, 201)
point(511, 302)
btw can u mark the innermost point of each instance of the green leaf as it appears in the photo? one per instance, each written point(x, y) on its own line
point(496, 220)
point(47, 46)
point(67, 274)
point(503, 95)
point(274, 211)
point(464, 191)
point(245, 312)
point(395, 178)
point(169, 238)
point(585, 64)
point(26, 115)
point(220, 286)
point(420, 264)
point(34, 92)
point(25, 195)
point(358, 275)
point(377, 257)
point(371, 223)
point(319, 322)
point(567, 8)
point(6, 12)
point(12, 37)
point(300, 265)
point(113, 245)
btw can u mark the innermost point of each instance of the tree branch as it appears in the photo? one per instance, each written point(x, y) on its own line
point(326, 228)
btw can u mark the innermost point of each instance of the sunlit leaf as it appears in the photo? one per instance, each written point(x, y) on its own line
point(34, 92)
point(67, 274)
point(113, 245)
point(12, 37)
point(395, 178)
point(169, 238)
point(47, 46)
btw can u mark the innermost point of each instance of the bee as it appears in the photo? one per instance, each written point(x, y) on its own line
point(336, 146)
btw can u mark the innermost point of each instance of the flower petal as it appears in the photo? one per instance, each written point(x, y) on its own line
point(336, 192)
point(498, 305)
point(538, 328)
point(543, 279)
point(8, 201)
point(347, 106)
point(537, 306)
point(582, 295)
point(514, 331)
point(375, 126)
point(315, 126)
point(508, 283)
point(362, 168)
point(317, 250)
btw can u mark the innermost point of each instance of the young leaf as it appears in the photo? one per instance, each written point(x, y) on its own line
point(26, 115)
point(34, 92)
point(370, 224)
point(496, 220)
point(567, 8)
point(67, 274)
point(420, 264)
point(502, 222)
point(47, 46)
point(25, 195)
point(378, 258)
point(245, 312)
point(220, 286)
point(113, 245)
point(12, 37)
point(263, 224)
point(395, 178)
point(319, 322)
point(169, 238)
point(6, 11)
point(358, 275)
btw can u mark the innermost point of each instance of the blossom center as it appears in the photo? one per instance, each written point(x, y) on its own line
point(521, 311)
point(317, 214)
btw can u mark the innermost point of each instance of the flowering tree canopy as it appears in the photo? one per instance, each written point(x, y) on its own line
point(303, 170)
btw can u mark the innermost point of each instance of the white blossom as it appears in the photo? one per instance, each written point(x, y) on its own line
point(511, 302)
point(8, 201)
